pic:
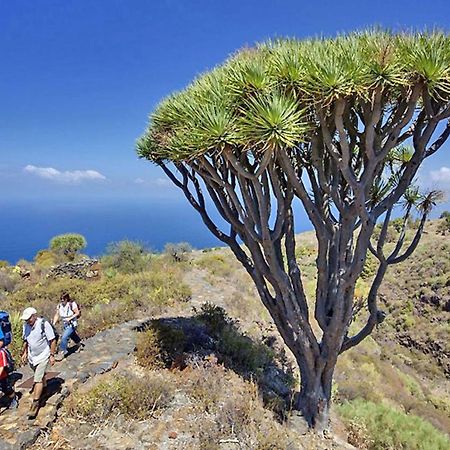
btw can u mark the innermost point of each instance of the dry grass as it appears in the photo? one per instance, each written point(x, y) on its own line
point(127, 394)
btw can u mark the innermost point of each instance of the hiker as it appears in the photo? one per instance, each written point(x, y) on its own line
point(6, 360)
point(39, 348)
point(69, 312)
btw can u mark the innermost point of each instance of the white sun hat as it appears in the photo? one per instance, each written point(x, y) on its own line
point(28, 312)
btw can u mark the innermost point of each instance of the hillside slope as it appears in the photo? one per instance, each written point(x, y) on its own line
point(215, 373)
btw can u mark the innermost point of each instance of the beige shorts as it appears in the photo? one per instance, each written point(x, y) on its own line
point(39, 370)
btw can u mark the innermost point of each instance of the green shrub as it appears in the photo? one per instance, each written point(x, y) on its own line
point(126, 257)
point(444, 224)
point(370, 267)
point(3, 264)
point(68, 244)
point(130, 395)
point(242, 352)
point(45, 258)
point(388, 429)
point(213, 316)
point(178, 252)
point(8, 281)
point(160, 345)
point(235, 348)
point(217, 264)
point(16, 345)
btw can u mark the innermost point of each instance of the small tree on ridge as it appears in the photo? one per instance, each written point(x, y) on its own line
point(339, 126)
point(68, 244)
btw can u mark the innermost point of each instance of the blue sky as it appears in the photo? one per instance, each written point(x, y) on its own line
point(78, 79)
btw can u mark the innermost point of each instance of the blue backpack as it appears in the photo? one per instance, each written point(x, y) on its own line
point(5, 328)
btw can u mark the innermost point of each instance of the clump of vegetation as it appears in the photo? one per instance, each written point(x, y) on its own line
point(68, 244)
point(235, 349)
point(126, 257)
point(178, 252)
point(231, 408)
point(215, 317)
point(216, 263)
point(444, 225)
point(382, 427)
point(8, 281)
point(160, 345)
point(130, 395)
point(370, 267)
point(234, 411)
point(45, 258)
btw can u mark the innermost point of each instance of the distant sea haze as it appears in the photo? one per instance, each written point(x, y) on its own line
point(26, 226)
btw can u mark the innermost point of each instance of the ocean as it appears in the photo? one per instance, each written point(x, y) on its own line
point(26, 226)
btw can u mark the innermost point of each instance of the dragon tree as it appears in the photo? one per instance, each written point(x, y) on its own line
point(338, 127)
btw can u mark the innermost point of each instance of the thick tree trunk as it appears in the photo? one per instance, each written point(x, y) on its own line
point(314, 399)
point(313, 402)
point(315, 407)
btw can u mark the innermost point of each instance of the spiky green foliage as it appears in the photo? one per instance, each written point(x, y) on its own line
point(267, 97)
point(68, 244)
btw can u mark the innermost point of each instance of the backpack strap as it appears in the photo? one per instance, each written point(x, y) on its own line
point(43, 333)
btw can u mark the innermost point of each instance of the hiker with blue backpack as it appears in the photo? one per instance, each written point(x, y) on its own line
point(69, 312)
point(6, 360)
point(39, 349)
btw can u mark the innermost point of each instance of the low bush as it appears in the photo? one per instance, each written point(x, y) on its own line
point(384, 428)
point(444, 224)
point(159, 346)
point(217, 264)
point(16, 345)
point(45, 259)
point(235, 349)
point(241, 352)
point(234, 410)
point(8, 281)
point(370, 267)
point(178, 252)
point(130, 395)
point(213, 316)
point(126, 257)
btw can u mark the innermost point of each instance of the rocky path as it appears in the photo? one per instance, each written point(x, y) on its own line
point(101, 353)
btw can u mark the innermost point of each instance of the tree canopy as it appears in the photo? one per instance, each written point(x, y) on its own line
point(269, 96)
point(68, 244)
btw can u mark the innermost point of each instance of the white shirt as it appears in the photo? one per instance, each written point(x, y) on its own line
point(38, 342)
point(66, 311)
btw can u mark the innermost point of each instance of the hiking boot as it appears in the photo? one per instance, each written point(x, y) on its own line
point(34, 408)
point(14, 404)
point(60, 356)
point(80, 346)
